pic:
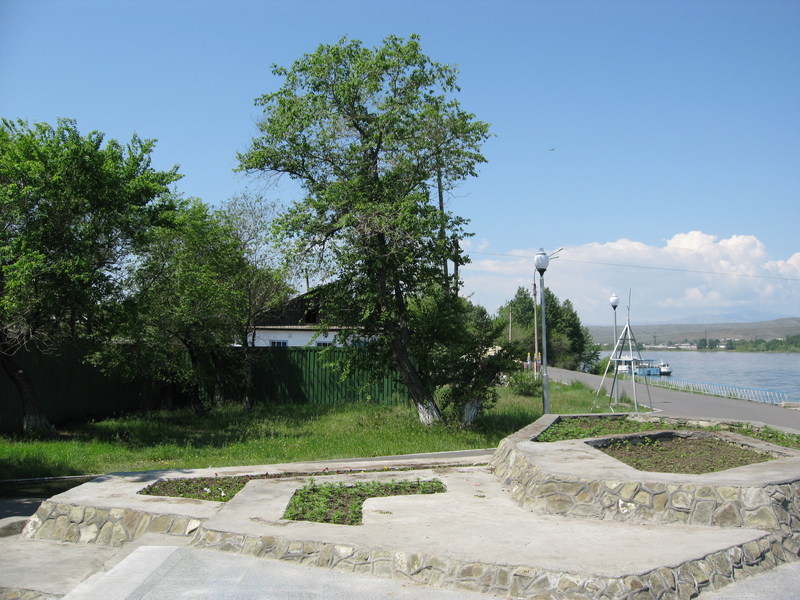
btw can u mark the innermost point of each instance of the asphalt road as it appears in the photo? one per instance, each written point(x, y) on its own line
point(682, 404)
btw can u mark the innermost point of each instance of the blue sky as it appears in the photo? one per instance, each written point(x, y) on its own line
point(659, 134)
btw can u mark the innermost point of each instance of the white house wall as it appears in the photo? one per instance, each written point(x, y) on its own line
point(293, 337)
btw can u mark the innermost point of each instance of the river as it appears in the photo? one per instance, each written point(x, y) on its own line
point(760, 370)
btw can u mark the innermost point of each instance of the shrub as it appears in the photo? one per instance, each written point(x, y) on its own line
point(525, 383)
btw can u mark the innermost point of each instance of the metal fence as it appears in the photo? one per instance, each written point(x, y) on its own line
point(304, 375)
point(718, 389)
point(68, 388)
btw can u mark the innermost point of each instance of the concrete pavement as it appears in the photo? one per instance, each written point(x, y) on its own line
point(475, 525)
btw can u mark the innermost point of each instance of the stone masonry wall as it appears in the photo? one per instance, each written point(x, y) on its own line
point(110, 527)
point(774, 508)
point(71, 523)
point(15, 594)
point(682, 581)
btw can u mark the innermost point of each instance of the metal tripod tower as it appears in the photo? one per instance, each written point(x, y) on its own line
point(632, 358)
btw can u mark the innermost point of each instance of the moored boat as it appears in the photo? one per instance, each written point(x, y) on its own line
point(644, 367)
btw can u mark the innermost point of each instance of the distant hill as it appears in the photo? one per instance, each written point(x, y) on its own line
point(767, 330)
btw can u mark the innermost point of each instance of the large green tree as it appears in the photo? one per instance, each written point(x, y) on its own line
point(71, 209)
point(569, 343)
point(458, 355)
point(519, 311)
point(369, 133)
point(184, 308)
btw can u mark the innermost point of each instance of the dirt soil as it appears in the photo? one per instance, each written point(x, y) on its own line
point(684, 455)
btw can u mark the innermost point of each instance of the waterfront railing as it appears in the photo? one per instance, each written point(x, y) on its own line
point(719, 389)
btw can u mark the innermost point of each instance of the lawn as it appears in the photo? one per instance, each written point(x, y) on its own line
point(228, 436)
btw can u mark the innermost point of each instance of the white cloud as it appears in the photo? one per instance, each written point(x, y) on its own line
point(693, 273)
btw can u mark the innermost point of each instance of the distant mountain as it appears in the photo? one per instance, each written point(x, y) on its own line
point(751, 316)
point(663, 333)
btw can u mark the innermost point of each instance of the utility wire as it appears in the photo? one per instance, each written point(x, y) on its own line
point(650, 267)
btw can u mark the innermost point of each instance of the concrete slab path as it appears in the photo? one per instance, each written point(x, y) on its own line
point(476, 519)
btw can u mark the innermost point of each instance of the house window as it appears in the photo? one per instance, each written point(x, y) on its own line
point(324, 344)
point(278, 343)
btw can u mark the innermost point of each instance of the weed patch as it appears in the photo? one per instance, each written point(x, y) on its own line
point(683, 455)
point(586, 427)
point(341, 503)
point(222, 489)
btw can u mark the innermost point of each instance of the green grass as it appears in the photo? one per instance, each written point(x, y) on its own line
point(228, 436)
point(341, 503)
point(579, 428)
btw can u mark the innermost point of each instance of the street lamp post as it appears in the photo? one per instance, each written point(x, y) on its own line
point(614, 300)
point(540, 261)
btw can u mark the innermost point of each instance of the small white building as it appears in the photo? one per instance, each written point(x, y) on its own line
point(292, 336)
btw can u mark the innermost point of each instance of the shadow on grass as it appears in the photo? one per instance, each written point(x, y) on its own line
point(505, 423)
point(41, 466)
point(218, 428)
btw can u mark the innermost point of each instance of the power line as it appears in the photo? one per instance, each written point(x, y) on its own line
point(648, 267)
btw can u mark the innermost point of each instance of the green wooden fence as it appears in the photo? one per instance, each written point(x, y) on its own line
point(286, 375)
point(70, 389)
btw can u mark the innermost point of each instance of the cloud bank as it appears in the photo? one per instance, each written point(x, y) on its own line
point(693, 275)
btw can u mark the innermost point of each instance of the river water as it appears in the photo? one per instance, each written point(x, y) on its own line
point(759, 370)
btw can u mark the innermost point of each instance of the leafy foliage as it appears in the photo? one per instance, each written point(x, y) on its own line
point(367, 133)
point(569, 343)
point(520, 308)
point(181, 305)
point(791, 343)
point(525, 383)
point(72, 208)
point(341, 504)
point(457, 354)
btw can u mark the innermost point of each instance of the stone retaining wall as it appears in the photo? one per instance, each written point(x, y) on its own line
point(772, 507)
point(70, 523)
point(110, 527)
point(15, 594)
point(674, 583)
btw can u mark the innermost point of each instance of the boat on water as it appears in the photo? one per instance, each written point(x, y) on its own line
point(644, 367)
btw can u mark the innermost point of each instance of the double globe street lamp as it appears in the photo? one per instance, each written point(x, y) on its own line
point(614, 300)
point(541, 261)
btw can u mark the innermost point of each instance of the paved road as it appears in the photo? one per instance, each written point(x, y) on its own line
point(682, 404)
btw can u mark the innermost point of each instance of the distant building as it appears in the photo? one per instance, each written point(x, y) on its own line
point(296, 326)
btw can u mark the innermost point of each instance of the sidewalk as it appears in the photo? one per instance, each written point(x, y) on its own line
point(473, 537)
point(683, 404)
point(473, 528)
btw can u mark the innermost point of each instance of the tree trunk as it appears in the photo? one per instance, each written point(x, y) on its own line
point(33, 418)
point(423, 400)
point(470, 412)
point(456, 252)
point(247, 384)
point(399, 341)
point(197, 387)
point(442, 233)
